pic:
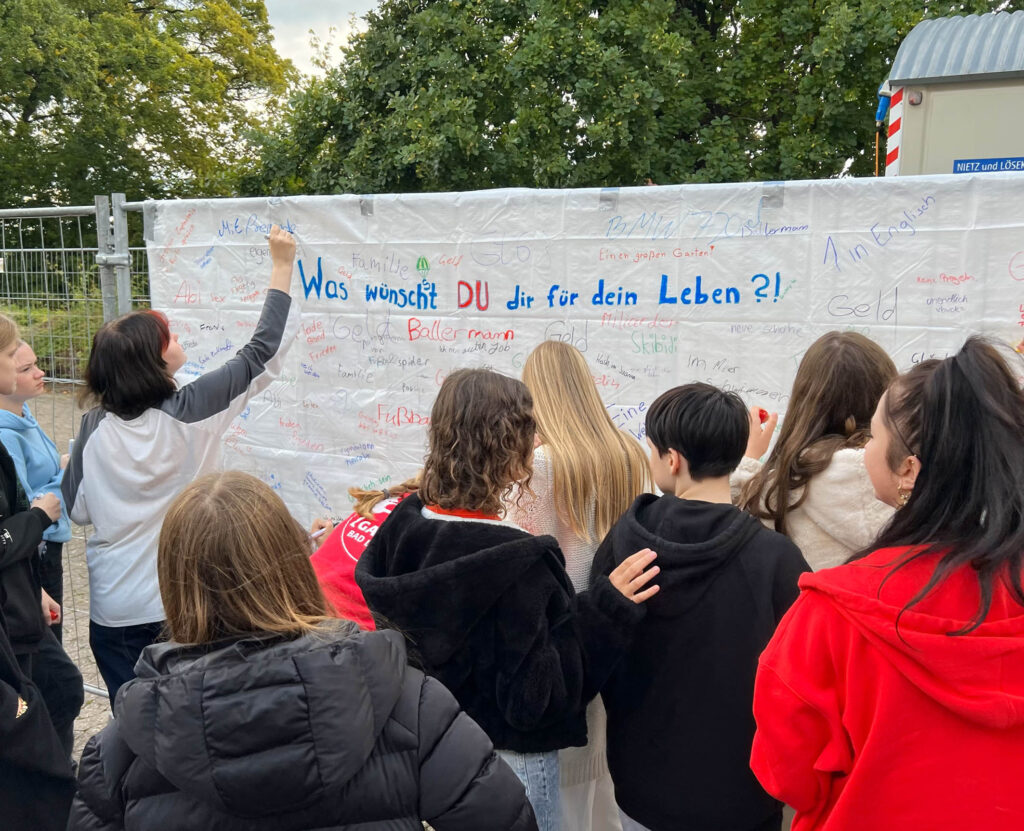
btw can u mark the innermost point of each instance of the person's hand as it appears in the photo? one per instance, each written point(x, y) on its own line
point(49, 503)
point(51, 609)
point(320, 530)
point(632, 575)
point(282, 247)
point(760, 434)
point(64, 459)
point(282, 256)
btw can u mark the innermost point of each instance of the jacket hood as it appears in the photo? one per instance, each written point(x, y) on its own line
point(978, 675)
point(694, 541)
point(10, 421)
point(257, 726)
point(425, 570)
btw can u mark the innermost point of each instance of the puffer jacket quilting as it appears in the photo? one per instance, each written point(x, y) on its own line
point(328, 731)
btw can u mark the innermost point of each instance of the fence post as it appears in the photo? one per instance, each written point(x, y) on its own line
point(104, 248)
point(122, 256)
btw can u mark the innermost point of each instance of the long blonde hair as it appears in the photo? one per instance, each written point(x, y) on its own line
point(590, 458)
point(364, 501)
point(233, 562)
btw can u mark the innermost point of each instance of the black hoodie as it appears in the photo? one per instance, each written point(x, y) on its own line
point(492, 613)
point(680, 722)
point(21, 531)
point(332, 730)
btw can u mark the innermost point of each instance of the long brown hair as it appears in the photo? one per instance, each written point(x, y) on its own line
point(232, 562)
point(590, 458)
point(480, 441)
point(837, 387)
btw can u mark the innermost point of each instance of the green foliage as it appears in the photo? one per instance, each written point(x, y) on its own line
point(465, 94)
point(60, 331)
point(148, 97)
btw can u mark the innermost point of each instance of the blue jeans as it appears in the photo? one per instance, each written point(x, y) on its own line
point(539, 774)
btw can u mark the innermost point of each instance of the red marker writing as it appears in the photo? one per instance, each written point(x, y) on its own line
point(762, 414)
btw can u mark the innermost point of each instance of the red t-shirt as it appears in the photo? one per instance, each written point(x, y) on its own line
point(335, 562)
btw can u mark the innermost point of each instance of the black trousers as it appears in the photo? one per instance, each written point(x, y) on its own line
point(51, 575)
point(117, 648)
point(60, 684)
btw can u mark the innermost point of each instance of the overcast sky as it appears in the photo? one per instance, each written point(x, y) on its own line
point(292, 20)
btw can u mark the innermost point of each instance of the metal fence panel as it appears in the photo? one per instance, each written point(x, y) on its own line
point(63, 271)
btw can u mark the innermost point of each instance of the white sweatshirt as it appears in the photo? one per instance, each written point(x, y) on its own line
point(124, 475)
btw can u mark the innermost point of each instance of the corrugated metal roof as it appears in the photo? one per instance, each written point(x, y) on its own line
point(948, 49)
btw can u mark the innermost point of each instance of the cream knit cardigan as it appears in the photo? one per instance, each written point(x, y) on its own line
point(840, 514)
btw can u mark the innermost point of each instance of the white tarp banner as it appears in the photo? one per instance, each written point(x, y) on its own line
point(657, 286)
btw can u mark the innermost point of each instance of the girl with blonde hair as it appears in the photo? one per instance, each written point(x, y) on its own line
point(586, 474)
point(36, 725)
point(813, 486)
point(265, 710)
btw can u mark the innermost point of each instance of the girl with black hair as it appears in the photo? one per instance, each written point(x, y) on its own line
point(892, 695)
point(144, 442)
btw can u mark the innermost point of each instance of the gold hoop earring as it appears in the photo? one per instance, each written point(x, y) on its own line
point(902, 495)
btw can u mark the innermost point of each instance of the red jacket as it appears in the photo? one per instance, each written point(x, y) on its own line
point(335, 562)
point(861, 726)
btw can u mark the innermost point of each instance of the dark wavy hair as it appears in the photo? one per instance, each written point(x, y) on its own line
point(837, 387)
point(480, 441)
point(963, 418)
point(126, 373)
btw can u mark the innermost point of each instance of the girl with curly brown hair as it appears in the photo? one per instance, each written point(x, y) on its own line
point(490, 608)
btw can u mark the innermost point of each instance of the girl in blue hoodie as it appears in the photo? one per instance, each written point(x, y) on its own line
point(38, 465)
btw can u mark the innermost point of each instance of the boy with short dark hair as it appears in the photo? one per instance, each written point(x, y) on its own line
point(680, 722)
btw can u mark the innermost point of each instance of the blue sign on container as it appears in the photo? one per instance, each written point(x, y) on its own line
point(988, 165)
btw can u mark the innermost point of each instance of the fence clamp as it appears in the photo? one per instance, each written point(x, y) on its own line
point(113, 259)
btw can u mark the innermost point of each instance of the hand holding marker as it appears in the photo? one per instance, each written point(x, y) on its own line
point(762, 428)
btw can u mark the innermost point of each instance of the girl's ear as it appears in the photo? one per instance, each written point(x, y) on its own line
point(906, 475)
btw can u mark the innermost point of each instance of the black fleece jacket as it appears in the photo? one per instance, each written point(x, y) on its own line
point(329, 731)
point(21, 531)
point(492, 614)
point(680, 721)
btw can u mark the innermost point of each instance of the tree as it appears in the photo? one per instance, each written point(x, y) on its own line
point(463, 94)
point(149, 97)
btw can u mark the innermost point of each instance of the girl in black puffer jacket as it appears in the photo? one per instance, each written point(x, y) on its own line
point(265, 713)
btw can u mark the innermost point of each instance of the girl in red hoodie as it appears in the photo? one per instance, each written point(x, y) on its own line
point(892, 695)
